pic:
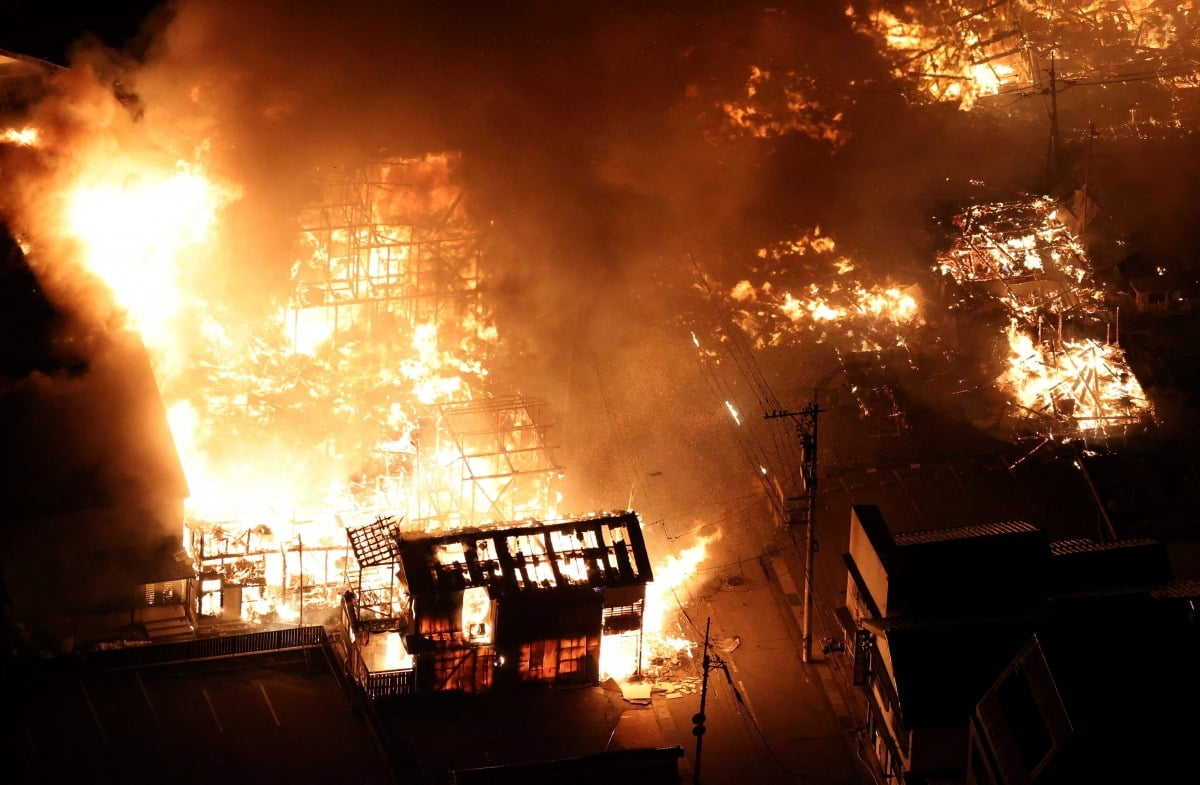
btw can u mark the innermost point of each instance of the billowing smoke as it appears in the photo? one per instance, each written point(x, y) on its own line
point(614, 154)
point(595, 144)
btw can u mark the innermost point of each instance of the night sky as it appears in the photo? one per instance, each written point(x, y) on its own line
point(48, 30)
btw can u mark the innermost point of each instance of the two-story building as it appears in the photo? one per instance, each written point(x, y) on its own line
point(531, 602)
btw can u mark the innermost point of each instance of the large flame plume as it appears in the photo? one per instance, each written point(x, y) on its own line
point(361, 393)
point(663, 636)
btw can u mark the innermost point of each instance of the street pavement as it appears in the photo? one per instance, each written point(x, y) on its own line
point(770, 718)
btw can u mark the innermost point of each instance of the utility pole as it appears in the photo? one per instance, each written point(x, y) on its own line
point(300, 539)
point(806, 432)
point(698, 729)
point(1053, 155)
point(1087, 176)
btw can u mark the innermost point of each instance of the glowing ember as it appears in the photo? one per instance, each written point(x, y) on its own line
point(777, 105)
point(773, 312)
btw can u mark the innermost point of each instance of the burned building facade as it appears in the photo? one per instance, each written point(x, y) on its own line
point(478, 608)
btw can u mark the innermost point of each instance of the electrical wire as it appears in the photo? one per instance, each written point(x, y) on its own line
point(748, 715)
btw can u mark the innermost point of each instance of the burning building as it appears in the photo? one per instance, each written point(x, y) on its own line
point(1064, 369)
point(533, 602)
point(996, 53)
point(376, 371)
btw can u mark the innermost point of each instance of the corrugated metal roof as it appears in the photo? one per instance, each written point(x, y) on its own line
point(963, 532)
point(1183, 589)
point(1082, 545)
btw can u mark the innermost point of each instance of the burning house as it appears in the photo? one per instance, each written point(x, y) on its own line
point(477, 608)
point(1019, 253)
point(995, 53)
point(1064, 369)
point(381, 352)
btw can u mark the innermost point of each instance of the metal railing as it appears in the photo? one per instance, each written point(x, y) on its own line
point(387, 684)
point(210, 648)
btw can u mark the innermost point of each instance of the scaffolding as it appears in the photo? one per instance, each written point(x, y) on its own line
point(379, 601)
point(503, 461)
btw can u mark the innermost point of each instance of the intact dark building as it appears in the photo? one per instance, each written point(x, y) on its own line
point(1094, 700)
point(935, 617)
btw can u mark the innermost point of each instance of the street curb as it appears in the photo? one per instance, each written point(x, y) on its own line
point(786, 595)
point(671, 734)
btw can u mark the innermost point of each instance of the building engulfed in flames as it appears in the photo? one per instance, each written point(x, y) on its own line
point(389, 324)
point(349, 461)
point(462, 611)
point(967, 52)
point(1065, 372)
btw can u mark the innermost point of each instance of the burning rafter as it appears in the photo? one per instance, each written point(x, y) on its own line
point(1082, 385)
point(961, 52)
point(953, 51)
point(1021, 253)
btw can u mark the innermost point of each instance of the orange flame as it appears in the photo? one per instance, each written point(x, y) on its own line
point(22, 137)
point(618, 655)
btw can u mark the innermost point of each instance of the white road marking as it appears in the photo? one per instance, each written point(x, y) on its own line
point(146, 695)
point(95, 716)
point(212, 710)
point(267, 698)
